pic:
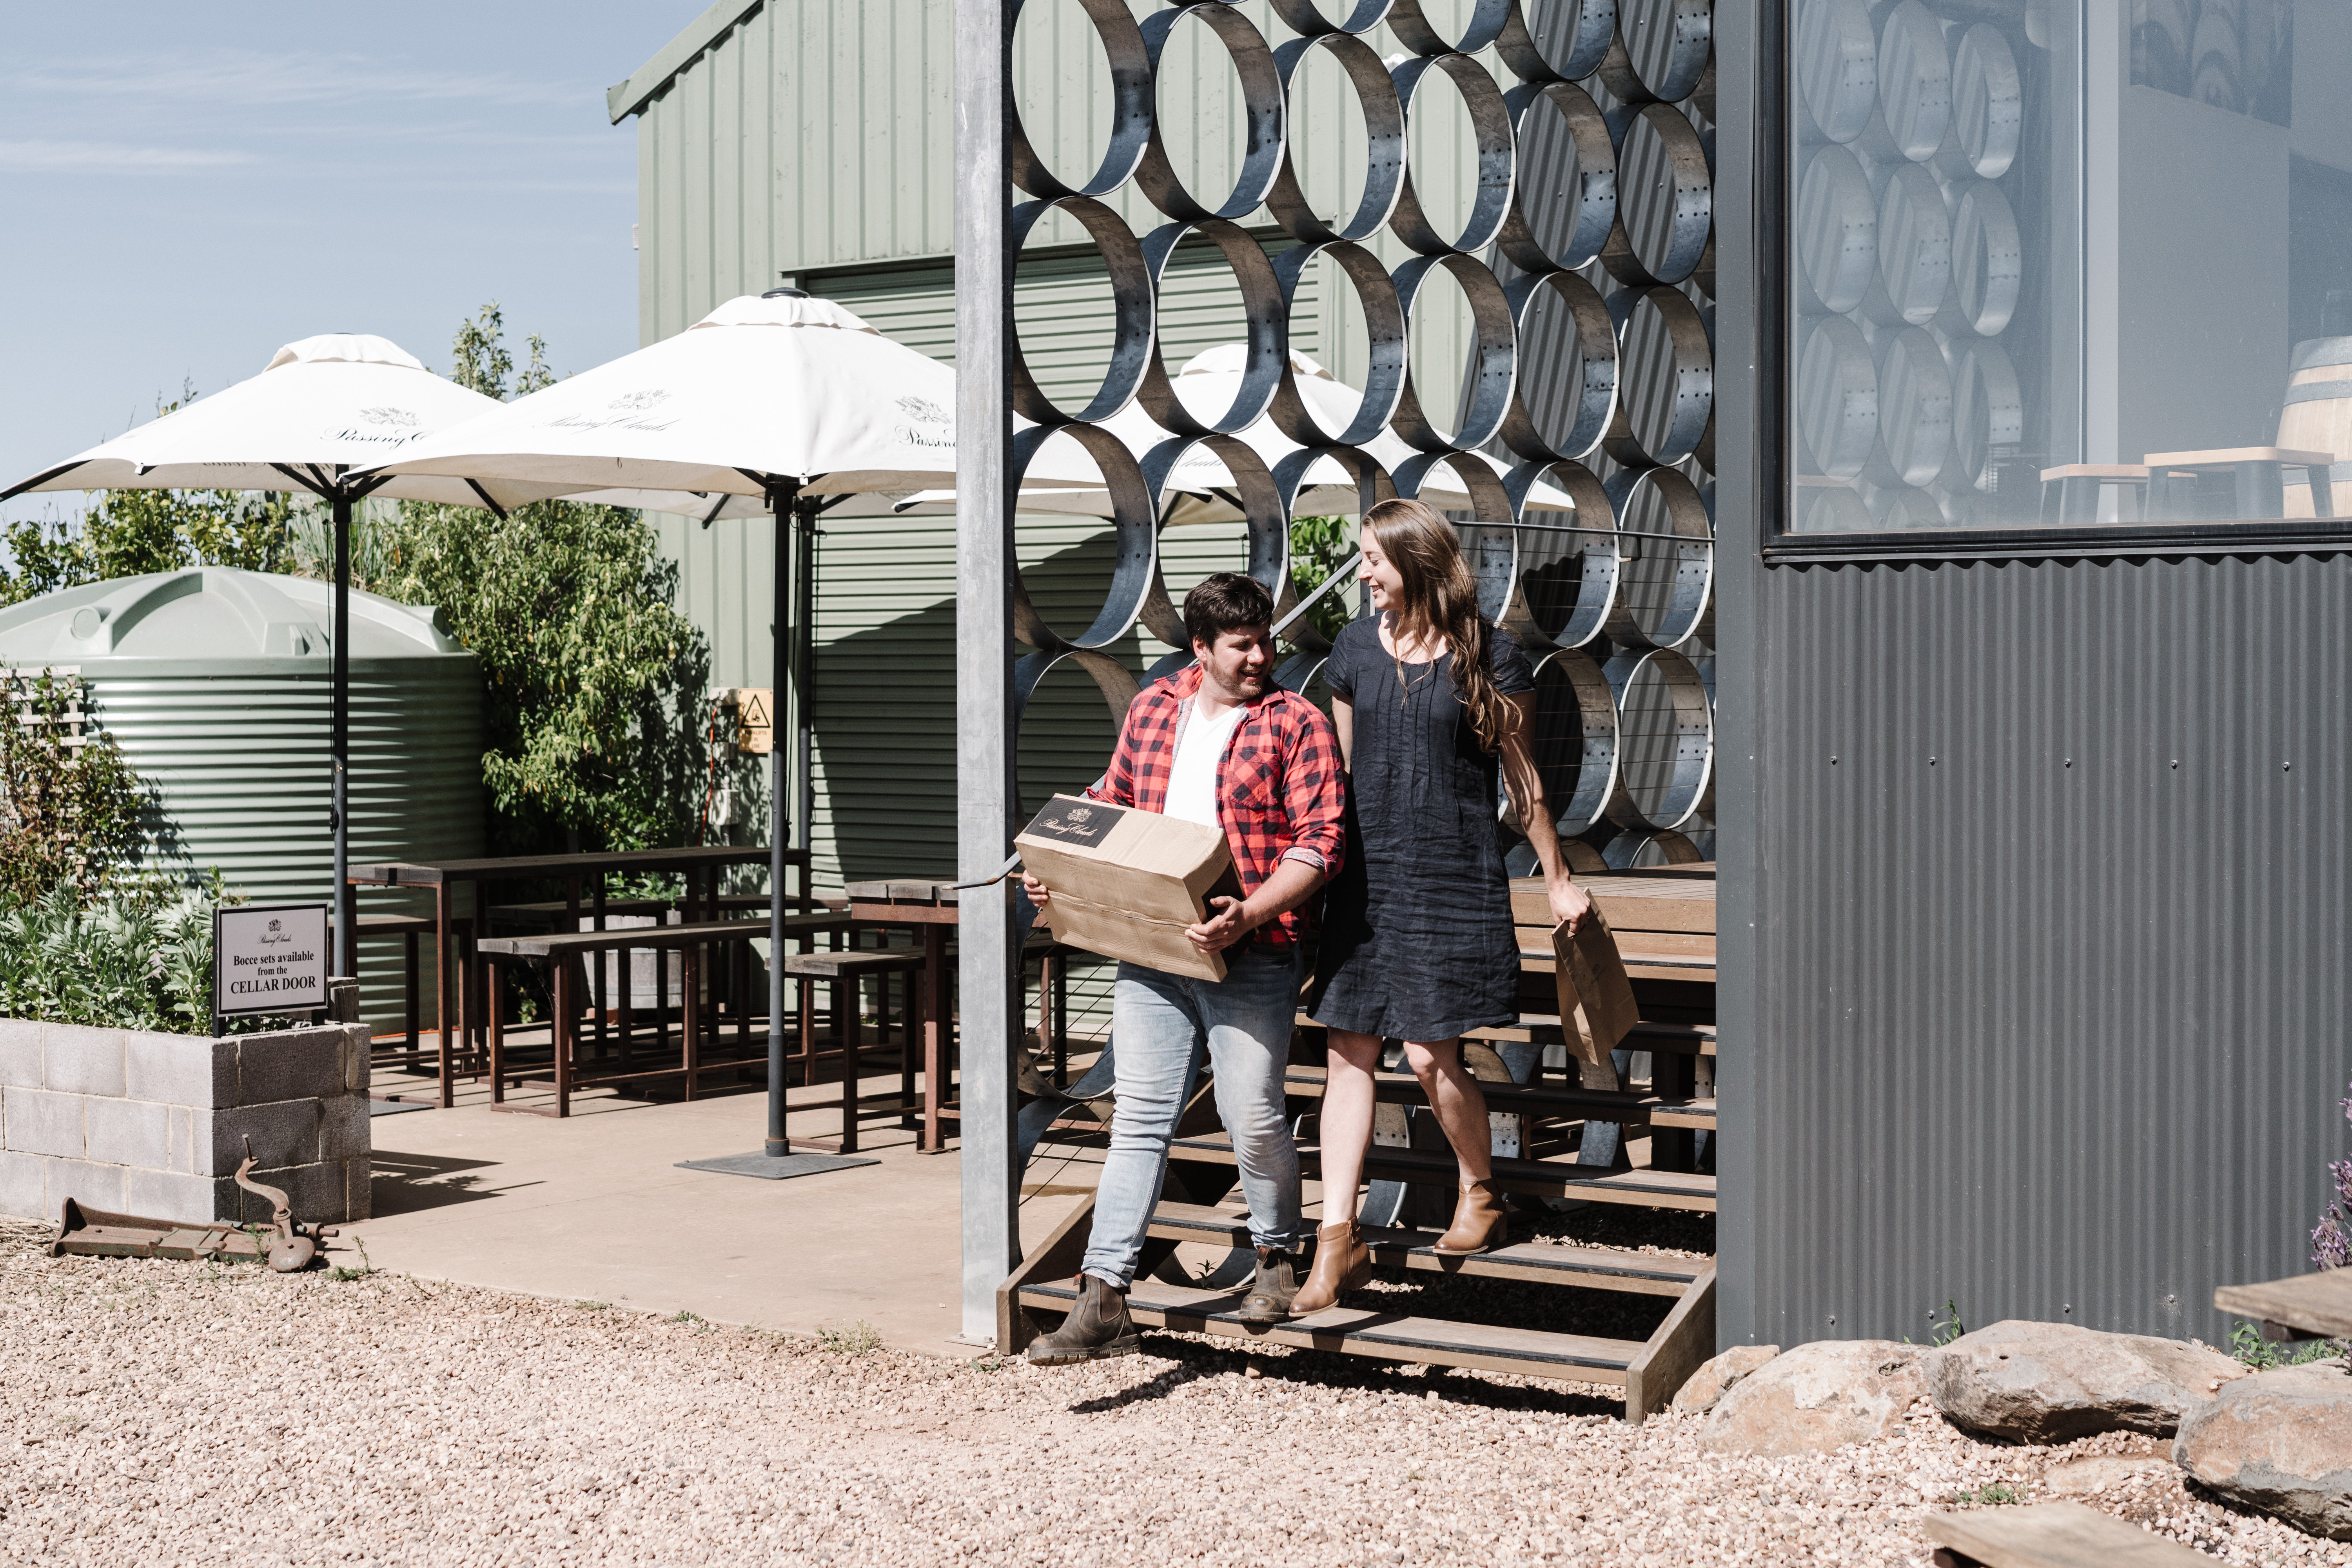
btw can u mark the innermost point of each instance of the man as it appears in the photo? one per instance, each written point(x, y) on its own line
point(1217, 743)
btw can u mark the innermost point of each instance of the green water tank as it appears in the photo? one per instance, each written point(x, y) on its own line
point(215, 684)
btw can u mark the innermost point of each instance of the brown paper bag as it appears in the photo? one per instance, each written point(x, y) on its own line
point(1596, 999)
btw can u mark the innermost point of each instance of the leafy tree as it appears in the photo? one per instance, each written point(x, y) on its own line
point(1318, 547)
point(73, 815)
point(592, 677)
point(129, 532)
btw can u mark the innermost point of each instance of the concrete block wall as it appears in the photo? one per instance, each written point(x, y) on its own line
point(131, 1122)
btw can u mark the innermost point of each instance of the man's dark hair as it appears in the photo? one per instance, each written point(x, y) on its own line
point(1224, 602)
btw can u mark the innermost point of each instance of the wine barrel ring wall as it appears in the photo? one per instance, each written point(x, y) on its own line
point(1574, 404)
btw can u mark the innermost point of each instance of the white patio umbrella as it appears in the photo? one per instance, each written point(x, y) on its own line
point(322, 408)
point(786, 402)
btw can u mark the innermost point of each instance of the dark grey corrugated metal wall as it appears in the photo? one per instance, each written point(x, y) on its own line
point(2042, 1022)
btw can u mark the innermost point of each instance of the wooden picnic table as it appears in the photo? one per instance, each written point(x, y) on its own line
point(931, 909)
point(700, 865)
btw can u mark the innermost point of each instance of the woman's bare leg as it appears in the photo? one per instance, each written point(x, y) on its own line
point(1345, 1120)
point(1460, 1104)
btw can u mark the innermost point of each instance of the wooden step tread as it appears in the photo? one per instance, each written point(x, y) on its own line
point(1592, 1267)
point(1541, 1178)
point(1678, 1040)
point(1574, 1357)
point(1397, 1087)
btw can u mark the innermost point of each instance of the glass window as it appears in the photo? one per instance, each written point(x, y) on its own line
point(2069, 263)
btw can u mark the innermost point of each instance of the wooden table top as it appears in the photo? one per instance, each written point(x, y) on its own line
point(425, 873)
point(2315, 1304)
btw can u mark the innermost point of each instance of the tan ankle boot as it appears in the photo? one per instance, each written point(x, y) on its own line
point(1480, 1221)
point(1342, 1263)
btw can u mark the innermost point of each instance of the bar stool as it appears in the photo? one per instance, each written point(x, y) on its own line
point(2070, 493)
point(2180, 485)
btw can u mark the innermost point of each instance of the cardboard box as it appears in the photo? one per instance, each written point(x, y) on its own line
point(1126, 883)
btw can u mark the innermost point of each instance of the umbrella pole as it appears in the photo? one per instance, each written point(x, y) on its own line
point(783, 497)
point(346, 941)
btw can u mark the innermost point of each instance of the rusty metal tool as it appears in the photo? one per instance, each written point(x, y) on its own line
point(286, 1246)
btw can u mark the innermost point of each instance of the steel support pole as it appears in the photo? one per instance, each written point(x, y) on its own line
point(783, 499)
point(984, 717)
point(346, 901)
point(804, 677)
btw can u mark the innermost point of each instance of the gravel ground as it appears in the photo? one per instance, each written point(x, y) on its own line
point(167, 1412)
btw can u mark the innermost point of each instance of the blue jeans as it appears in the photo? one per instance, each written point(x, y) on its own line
point(1161, 1023)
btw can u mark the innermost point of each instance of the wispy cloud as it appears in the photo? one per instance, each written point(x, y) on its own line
point(249, 78)
point(108, 158)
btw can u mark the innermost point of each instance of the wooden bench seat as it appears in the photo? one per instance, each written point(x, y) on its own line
point(2049, 1535)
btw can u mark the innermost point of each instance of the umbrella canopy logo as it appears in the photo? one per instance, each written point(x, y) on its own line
point(389, 415)
point(923, 408)
point(633, 401)
point(929, 413)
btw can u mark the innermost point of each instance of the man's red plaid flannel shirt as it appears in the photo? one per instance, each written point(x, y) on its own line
point(1280, 787)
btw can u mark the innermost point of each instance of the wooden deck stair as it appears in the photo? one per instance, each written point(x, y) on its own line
point(1648, 1370)
point(1536, 1178)
point(1666, 927)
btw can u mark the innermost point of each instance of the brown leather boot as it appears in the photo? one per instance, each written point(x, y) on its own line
point(1097, 1328)
point(1481, 1223)
point(1342, 1263)
point(1277, 1281)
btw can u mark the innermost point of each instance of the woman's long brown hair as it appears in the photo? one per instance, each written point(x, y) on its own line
point(1441, 599)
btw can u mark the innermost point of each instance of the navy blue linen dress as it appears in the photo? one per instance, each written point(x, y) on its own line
point(1417, 939)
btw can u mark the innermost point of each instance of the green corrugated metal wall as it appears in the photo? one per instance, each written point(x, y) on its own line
point(807, 142)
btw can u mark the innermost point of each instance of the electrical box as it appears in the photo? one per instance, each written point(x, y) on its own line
point(755, 719)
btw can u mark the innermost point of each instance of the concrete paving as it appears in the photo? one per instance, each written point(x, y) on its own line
point(594, 1208)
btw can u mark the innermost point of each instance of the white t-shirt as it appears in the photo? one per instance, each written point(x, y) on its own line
point(1192, 776)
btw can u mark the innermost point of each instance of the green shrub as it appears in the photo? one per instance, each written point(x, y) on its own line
point(139, 957)
point(1318, 547)
point(71, 812)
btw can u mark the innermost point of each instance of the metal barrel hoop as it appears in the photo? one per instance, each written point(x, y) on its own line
point(1490, 122)
point(1599, 556)
point(1666, 736)
point(1836, 67)
point(1665, 591)
point(1413, 29)
point(1136, 570)
point(1988, 263)
point(1577, 802)
point(1665, 379)
point(1494, 356)
point(1264, 507)
point(1837, 397)
point(1665, 196)
point(1132, 303)
point(1633, 851)
point(1568, 43)
point(1131, 111)
point(1384, 140)
point(1491, 550)
point(1543, 204)
point(1305, 17)
point(1914, 410)
point(1113, 679)
point(1266, 310)
point(1836, 229)
point(1532, 429)
point(1668, 44)
point(1386, 352)
point(1265, 102)
point(1293, 474)
point(1303, 668)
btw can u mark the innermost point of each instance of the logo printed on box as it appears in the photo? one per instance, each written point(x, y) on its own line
point(1077, 822)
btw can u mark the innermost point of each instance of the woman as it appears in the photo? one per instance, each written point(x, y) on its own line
point(1429, 702)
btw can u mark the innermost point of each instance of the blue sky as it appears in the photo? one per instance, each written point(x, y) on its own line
point(189, 186)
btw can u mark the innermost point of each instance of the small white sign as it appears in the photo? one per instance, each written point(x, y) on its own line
point(269, 960)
